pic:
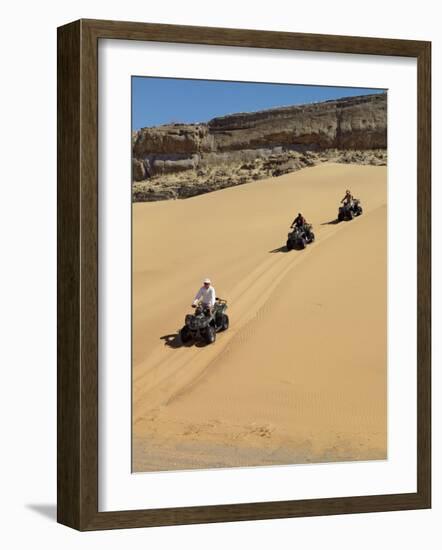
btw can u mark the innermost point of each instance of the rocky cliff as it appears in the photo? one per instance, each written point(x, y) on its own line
point(180, 160)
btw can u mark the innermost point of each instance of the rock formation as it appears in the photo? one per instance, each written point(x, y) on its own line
point(181, 160)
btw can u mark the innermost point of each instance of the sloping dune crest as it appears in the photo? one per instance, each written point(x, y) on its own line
point(300, 376)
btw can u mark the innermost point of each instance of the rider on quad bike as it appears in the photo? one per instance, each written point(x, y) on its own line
point(348, 199)
point(302, 233)
point(206, 294)
point(209, 317)
point(301, 222)
point(350, 207)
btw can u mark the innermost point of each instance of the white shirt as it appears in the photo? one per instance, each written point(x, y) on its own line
point(206, 295)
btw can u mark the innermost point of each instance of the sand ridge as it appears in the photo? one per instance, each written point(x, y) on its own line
point(293, 379)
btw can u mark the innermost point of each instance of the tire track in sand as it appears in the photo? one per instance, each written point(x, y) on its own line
point(245, 328)
point(174, 372)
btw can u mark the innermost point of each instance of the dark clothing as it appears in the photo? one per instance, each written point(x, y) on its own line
point(347, 199)
point(299, 221)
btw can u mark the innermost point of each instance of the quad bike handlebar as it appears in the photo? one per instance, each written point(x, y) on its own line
point(220, 300)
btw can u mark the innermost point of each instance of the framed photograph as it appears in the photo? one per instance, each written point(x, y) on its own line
point(243, 275)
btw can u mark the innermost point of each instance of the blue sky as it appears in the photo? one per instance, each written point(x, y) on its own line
point(158, 101)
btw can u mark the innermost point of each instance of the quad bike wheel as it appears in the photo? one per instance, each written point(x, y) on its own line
point(289, 245)
point(350, 214)
point(185, 334)
point(225, 322)
point(312, 237)
point(340, 216)
point(302, 244)
point(209, 335)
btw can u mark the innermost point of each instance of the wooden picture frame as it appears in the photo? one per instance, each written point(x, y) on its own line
point(77, 461)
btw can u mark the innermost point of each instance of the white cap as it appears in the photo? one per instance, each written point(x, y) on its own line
point(207, 280)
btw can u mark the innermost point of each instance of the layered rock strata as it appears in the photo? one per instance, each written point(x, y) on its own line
point(182, 160)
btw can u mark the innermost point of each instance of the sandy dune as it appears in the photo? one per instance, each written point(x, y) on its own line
point(300, 376)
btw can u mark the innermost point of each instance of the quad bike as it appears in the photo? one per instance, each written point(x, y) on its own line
point(205, 322)
point(350, 210)
point(300, 237)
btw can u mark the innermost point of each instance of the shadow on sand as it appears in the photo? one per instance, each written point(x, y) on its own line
point(280, 249)
point(174, 341)
point(332, 222)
